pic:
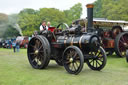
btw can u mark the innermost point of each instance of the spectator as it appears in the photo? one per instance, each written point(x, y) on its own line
point(10, 43)
point(43, 26)
point(14, 46)
point(17, 46)
point(48, 24)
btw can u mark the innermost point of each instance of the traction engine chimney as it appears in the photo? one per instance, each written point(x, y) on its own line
point(90, 17)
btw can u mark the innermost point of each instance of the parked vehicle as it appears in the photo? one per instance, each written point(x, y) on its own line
point(5, 44)
point(23, 41)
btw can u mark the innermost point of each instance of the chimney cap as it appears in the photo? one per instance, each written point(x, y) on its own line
point(89, 5)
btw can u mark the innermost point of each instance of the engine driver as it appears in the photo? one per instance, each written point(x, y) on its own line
point(43, 26)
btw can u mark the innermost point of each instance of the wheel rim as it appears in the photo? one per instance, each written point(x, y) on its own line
point(98, 61)
point(123, 44)
point(36, 53)
point(72, 61)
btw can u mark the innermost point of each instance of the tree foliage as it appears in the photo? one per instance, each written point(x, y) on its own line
point(30, 19)
point(111, 9)
point(74, 12)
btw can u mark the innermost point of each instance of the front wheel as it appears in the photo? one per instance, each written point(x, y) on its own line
point(73, 60)
point(98, 60)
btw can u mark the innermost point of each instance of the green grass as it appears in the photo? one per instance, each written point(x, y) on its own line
point(16, 70)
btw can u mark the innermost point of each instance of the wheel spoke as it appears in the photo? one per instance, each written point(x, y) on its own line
point(98, 63)
point(37, 44)
point(32, 53)
point(126, 39)
point(67, 62)
point(98, 54)
point(37, 63)
point(72, 66)
point(32, 46)
point(33, 59)
point(76, 64)
point(93, 63)
point(41, 51)
point(122, 49)
point(121, 42)
point(75, 54)
point(40, 47)
point(122, 38)
point(100, 60)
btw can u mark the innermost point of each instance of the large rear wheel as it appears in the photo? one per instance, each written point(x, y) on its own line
point(121, 44)
point(73, 60)
point(37, 52)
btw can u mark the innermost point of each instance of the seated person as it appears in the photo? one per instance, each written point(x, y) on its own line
point(43, 26)
point(49, 24)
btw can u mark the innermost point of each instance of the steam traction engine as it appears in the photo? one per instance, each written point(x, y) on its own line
point(113, 34)
point(69, 47)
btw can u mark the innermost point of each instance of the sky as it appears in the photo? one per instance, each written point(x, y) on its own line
point(14, 6)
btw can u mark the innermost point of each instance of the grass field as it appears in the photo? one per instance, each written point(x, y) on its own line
point(16, 70)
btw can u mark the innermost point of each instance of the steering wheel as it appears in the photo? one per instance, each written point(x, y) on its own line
point(62, 26)
point(59, 29)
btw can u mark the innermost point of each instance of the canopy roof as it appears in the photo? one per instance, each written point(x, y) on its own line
point(103, 22)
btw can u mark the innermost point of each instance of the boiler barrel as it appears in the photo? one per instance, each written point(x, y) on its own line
point(80, 41)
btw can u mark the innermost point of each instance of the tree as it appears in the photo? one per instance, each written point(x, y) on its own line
point(73, 13)
point(55, 16)
point(111, 9)
point(30, 19)
point(98, 8)
point(28, 11)
point(27, 21)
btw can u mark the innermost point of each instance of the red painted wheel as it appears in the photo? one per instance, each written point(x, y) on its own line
point(121, 44)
